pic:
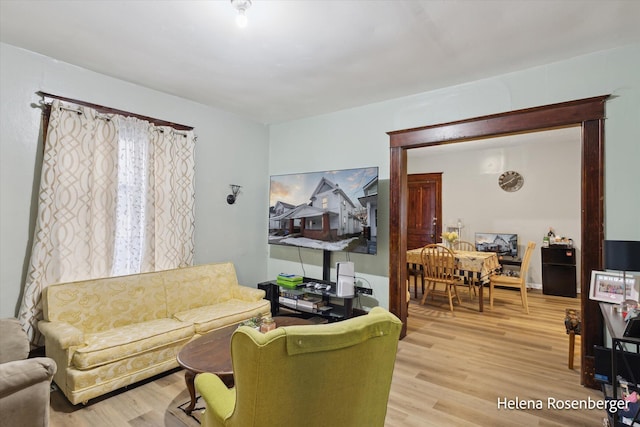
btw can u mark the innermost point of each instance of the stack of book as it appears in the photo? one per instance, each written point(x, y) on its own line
point(289, 298)
point(289, 280)
point(300, 301)
point(309, 303)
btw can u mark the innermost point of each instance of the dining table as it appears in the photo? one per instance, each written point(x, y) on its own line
point(475, 266)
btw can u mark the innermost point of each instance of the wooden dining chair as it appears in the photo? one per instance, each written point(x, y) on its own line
point(438, 263)
point(462, 245)
point(519, 282)
point(415, 271)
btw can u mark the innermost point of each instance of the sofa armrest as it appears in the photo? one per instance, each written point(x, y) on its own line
point(64, 334)
point(20, 374)
point(248, 294)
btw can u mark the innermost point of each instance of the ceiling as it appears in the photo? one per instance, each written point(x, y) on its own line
point(299, 58)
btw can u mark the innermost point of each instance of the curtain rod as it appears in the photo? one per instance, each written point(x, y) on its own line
point(108, 110)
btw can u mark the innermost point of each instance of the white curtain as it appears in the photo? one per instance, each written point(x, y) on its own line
point(132, 198)
point(116, 197)
point(173, 221)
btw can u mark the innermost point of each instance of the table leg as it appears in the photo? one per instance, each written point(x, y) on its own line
point(572, 346)
point(227, 379)
point(476, 280)
point(189, 378)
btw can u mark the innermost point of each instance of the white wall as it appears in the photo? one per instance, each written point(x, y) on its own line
point(347, 139)
point(344, 139)
point(357, 137)
point(222, 232)
point(550, 196)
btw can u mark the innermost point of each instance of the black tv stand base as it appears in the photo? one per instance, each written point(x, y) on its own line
point(320, 301)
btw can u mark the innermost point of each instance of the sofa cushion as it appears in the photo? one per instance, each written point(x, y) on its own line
point(130, 340)
point(209, 318)
point(102, 304)
point(194, 292)
point(199, 286)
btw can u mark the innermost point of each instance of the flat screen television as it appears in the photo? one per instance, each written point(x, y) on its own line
point(333, 210)
point(504, 244)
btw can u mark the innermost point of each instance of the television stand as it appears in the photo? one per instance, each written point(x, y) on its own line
point(326, 265)
point(309, 300)
point(510, 265)
point(510, 260)
point(619, 365)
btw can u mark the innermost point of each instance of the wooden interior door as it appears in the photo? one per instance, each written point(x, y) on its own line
point(424, 222)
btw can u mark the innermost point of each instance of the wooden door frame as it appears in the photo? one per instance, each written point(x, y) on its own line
point(589, 114)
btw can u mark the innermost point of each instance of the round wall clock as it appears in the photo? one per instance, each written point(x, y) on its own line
point(511, 181)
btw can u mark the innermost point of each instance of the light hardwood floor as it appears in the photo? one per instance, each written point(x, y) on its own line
point(451, 369)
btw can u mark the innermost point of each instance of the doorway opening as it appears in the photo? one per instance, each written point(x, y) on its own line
point(587, 113)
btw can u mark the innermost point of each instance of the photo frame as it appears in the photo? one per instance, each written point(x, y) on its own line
point(609, 287)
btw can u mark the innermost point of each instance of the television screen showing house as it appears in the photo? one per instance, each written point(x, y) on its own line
point(330, 210)
point(502, 243)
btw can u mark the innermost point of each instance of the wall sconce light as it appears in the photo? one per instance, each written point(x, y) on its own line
point(235, 189)
point(241, 6)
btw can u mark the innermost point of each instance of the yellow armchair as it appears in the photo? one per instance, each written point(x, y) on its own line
point(309, 375)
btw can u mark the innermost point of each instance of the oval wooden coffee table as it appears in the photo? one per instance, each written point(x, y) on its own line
point(212, 353)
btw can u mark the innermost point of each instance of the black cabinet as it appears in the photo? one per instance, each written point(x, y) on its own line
point(559, 271)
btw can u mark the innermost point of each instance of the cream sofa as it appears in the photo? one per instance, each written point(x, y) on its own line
point(105, 334)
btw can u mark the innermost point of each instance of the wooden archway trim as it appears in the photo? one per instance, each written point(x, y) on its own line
point(588, 113)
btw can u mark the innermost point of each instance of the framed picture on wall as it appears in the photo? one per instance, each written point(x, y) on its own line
point(609, 287)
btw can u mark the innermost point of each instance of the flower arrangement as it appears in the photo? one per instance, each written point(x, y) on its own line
point(254, 322)
point(450, 236)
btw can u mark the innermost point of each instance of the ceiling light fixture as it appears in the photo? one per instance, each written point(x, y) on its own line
point(241, 6)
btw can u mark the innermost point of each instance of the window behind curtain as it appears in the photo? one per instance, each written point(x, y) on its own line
point(116, 197)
